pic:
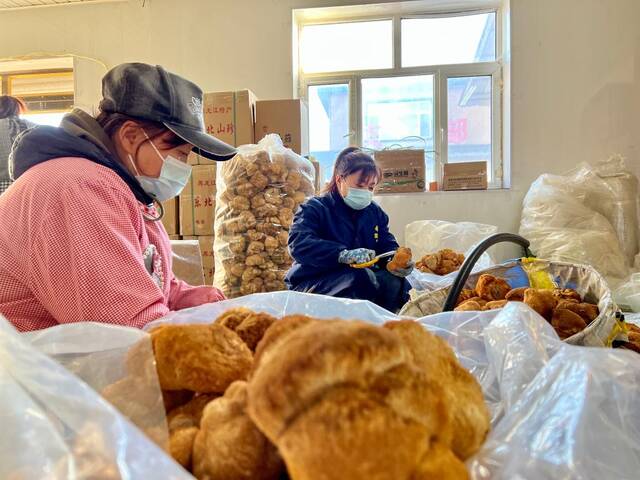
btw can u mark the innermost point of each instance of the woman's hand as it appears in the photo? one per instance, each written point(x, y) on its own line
point(358, 255)
point(216, 295)
point(402, 272)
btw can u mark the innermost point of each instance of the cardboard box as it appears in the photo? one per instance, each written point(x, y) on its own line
point(403, 171)
point(198, 202)
point(175, 237)
point(465, 176)
point(195, 159)
point(170, 218)
point(208, 263)
point(229, 116)
point(187, 261)
point(287, 118)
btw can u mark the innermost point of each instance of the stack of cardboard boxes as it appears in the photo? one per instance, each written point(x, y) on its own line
point(170, 218)
point(287, 118)
point(236, 118)
point(197, 210)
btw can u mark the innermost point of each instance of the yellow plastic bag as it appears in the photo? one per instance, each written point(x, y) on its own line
point(538, 273)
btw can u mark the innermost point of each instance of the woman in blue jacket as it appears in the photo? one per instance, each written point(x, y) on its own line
point(343, 227)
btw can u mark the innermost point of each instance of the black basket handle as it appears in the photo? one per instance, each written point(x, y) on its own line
point(470, 262)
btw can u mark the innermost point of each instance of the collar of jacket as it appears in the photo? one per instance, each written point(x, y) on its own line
point(80, 138)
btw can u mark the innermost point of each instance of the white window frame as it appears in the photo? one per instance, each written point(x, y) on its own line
point(441, 74)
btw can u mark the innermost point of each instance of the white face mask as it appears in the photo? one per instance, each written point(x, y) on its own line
point(174, 175)
point(358, 198)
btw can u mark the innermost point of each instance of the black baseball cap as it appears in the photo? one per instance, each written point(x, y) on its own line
point(151, 93)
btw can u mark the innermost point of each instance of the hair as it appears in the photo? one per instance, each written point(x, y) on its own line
point(111, 122)
point(11, 106)
point(349, 161)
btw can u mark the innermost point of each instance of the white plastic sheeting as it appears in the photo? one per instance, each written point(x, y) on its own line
point(558, 411)
point(588, 216)
point(54, 426)
point(429, 236)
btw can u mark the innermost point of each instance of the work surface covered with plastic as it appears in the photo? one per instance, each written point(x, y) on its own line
point(558, 411)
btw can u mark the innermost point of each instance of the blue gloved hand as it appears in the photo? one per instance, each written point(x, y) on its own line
point(403, 272)
point(358, 255)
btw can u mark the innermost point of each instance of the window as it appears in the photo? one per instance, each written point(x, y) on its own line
point(398, 111)
point(346, 46)
point(328, 122)
point(460, 39)
point(48, 95)
point(469, 119)
point(428, 79)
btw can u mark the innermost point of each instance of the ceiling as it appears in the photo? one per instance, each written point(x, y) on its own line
point(15, 4)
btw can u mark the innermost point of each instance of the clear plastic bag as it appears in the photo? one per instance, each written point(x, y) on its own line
point(513, 335)
point(558, 411)
point(99, 355)
point(429, 236)
point(561, 217)
point(258, 192)
point(633, 318)
point(572, 412)
point(187, 261)
point(427, 282)
point(55, 426)
point(282, 303)
point(547, 398)
point(622, 205)
point(627, 295)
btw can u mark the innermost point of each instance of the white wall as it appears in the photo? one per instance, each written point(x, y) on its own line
point(575, 75)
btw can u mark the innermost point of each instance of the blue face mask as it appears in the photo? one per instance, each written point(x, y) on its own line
point(174, 175)
point(358, 198)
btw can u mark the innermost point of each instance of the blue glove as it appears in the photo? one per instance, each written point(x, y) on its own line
point(358, 255)
point(403, 272)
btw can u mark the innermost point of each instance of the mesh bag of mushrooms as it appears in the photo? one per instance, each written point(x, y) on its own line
point(258, 192)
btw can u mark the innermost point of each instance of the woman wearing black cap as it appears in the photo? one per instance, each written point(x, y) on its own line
point(79, 232)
